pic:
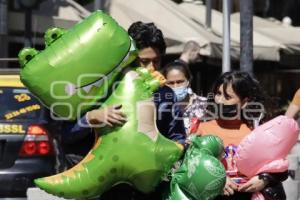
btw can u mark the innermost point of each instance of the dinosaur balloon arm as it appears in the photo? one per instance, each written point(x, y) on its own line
point(146, 113)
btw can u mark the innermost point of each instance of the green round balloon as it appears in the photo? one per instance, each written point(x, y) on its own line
point(201, 176)
point(210, 144)
point(177, 194)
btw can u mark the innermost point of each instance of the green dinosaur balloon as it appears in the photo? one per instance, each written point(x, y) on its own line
point(135, 153)
point(78, 66)
point(201, 175)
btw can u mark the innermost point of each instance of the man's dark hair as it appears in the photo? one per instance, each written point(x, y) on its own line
point(147, 35)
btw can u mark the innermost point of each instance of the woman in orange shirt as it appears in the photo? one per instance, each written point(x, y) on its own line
point(237, 104)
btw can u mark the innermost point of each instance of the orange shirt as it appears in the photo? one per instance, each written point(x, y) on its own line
point(231, 137)
point(296, 99)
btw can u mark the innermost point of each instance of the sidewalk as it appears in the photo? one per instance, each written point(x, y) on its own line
point(38, 194)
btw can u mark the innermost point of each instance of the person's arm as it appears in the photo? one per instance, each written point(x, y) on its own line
point(73, 131)
point(294, 106)
point(292, 110)
point(110, 115)
point(255, 184)
point(177, 129)
point(274, 178)
point(196, 111)
point(261, 181)
point(230, 187)
point(168, 119)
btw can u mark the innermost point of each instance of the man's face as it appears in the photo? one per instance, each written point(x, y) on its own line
point(148, 57)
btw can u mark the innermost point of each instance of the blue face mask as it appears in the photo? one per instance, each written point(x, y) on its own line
point(180, 92)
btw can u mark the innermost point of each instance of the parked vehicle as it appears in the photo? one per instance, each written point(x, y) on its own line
point(28, 149)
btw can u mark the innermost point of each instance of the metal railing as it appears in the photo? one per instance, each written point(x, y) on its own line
point(9, 71)
point(9, 59)
point(9, 63)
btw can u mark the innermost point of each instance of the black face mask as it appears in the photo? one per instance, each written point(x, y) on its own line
point(228, 111)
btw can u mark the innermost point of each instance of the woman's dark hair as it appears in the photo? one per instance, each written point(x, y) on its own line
point(147, 35)
point(246, 87)
point(242, 84)
point(180, 66)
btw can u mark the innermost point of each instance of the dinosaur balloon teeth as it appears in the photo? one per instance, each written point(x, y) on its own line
point(100, 82)
point(70, 89)
point(88, 88)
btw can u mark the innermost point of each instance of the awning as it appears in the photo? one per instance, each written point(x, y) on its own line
point(186, 21)
point(271, 40)
point(177, 27)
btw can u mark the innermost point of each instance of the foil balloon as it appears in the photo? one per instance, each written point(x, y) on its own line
point(266, 147)
point(202, 175)
point(78, 66)
point(209, 144)
point(78, 69)
point(178, 194)
point(135, 153)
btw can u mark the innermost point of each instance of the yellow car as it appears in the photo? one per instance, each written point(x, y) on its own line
point(27, 149)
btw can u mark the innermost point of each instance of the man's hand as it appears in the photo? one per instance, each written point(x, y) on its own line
point(253, 185)
point(109, 115)
point(230, 187)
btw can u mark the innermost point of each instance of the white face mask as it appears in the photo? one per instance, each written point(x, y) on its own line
point(181, 92)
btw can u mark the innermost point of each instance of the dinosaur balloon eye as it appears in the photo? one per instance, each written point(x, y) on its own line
point(26, 55)
point(52, 34)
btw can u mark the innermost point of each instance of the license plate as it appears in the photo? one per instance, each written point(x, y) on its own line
point(12, 129)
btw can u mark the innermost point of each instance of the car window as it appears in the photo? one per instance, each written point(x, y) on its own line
point(18, 104)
